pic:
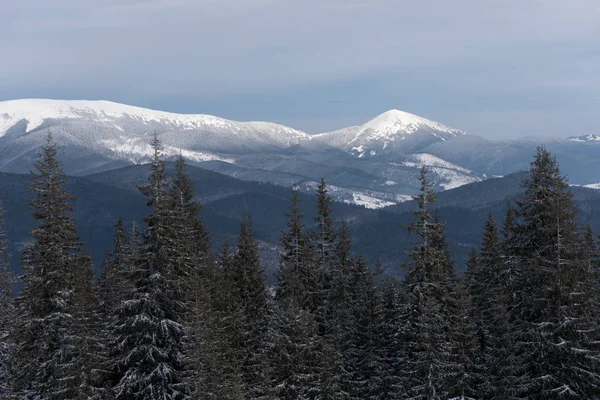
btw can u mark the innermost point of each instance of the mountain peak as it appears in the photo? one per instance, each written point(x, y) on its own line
point(396, 121)
point(585, 138)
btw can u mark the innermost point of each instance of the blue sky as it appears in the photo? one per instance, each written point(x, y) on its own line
point(499, 69)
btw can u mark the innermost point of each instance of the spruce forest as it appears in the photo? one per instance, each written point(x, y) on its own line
point(168, 318)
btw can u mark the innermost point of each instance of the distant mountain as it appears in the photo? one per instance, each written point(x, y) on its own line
point(374, 165)
point(378, 234)
point(101, 135)
point(390, 133)
point(585, 138)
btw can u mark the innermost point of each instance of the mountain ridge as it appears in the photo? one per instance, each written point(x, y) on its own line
point(379, 159)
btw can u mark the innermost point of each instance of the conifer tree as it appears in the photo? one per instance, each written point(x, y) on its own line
point(465, 366)
point(364, 353)
point(194, 273)
point(500, 260)
point(7, 314)
point(589, 249)
point(488, 287)
point(149, 358)
point(247, 313)
point(299, 276)
point(333, 380)
point(113, 282)
point(325, 233)
point(556, 318)
point(428, 308)
point(392, 354)
point(294, 355)
point(52, 364)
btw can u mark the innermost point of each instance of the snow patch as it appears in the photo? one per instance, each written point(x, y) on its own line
point(368, 201)
point(137, 151)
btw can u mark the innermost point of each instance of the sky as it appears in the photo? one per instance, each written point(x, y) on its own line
point(496, 68)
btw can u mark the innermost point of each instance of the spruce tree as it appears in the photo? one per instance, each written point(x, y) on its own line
point(556, 318)
point(333, 380)
point(428, 309)
point(7, 314)
point(294, 352)
point(465, 366)
point(52, 363)
point(488, 283)
point(194, 273)
point(113, 285)
point(392, 352)
point(294, 355)
point(149, 358)
point(299, 277)
point(247, 313)
point(364, 355)
point(325, 232)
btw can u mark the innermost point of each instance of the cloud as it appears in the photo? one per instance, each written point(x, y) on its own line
point(145, 51)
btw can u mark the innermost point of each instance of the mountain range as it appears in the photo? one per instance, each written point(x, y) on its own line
point(374, 165)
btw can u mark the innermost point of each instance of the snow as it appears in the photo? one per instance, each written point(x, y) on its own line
point(137, 151)
point(384, 131)
point(369, 202)
point(36, 111)
point(592, 186)
point(448, 175)
point(388, 124)
point(425, 159)
point(586, 138)
point(390, 183)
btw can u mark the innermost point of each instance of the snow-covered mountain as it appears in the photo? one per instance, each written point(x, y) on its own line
point(391, 132)
point(108, 132)
point(374, 164)
point(585, 138)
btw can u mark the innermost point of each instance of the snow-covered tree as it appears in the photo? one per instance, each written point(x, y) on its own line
point(149, 358)
point(428, 310)
point(50, 332)
point(556, 328)
point(7, 313)
point(299, 277)
point(246, 314)
point(325, 232)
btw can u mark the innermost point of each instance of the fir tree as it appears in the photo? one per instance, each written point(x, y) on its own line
point(194, 273)
point(325, 233)
point(428, 307)
point(465, 366)
point(556, 317)
point(52, 364)
point(391, 347)
point(299, 276)
point(294, 353)
point(149, 358)
point(113, 285)
point(247, 312)
point(364, 355)
point(7, 314)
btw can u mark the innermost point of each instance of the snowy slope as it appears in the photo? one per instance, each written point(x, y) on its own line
point(101, 132)
point(94, 136)
point(36, 111)
point(447, 174)
point(392, 130)
point(585, 138)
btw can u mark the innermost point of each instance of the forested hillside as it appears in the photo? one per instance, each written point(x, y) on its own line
point(169, 318)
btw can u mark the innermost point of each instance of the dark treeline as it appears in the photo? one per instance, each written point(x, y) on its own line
point(171, 319)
